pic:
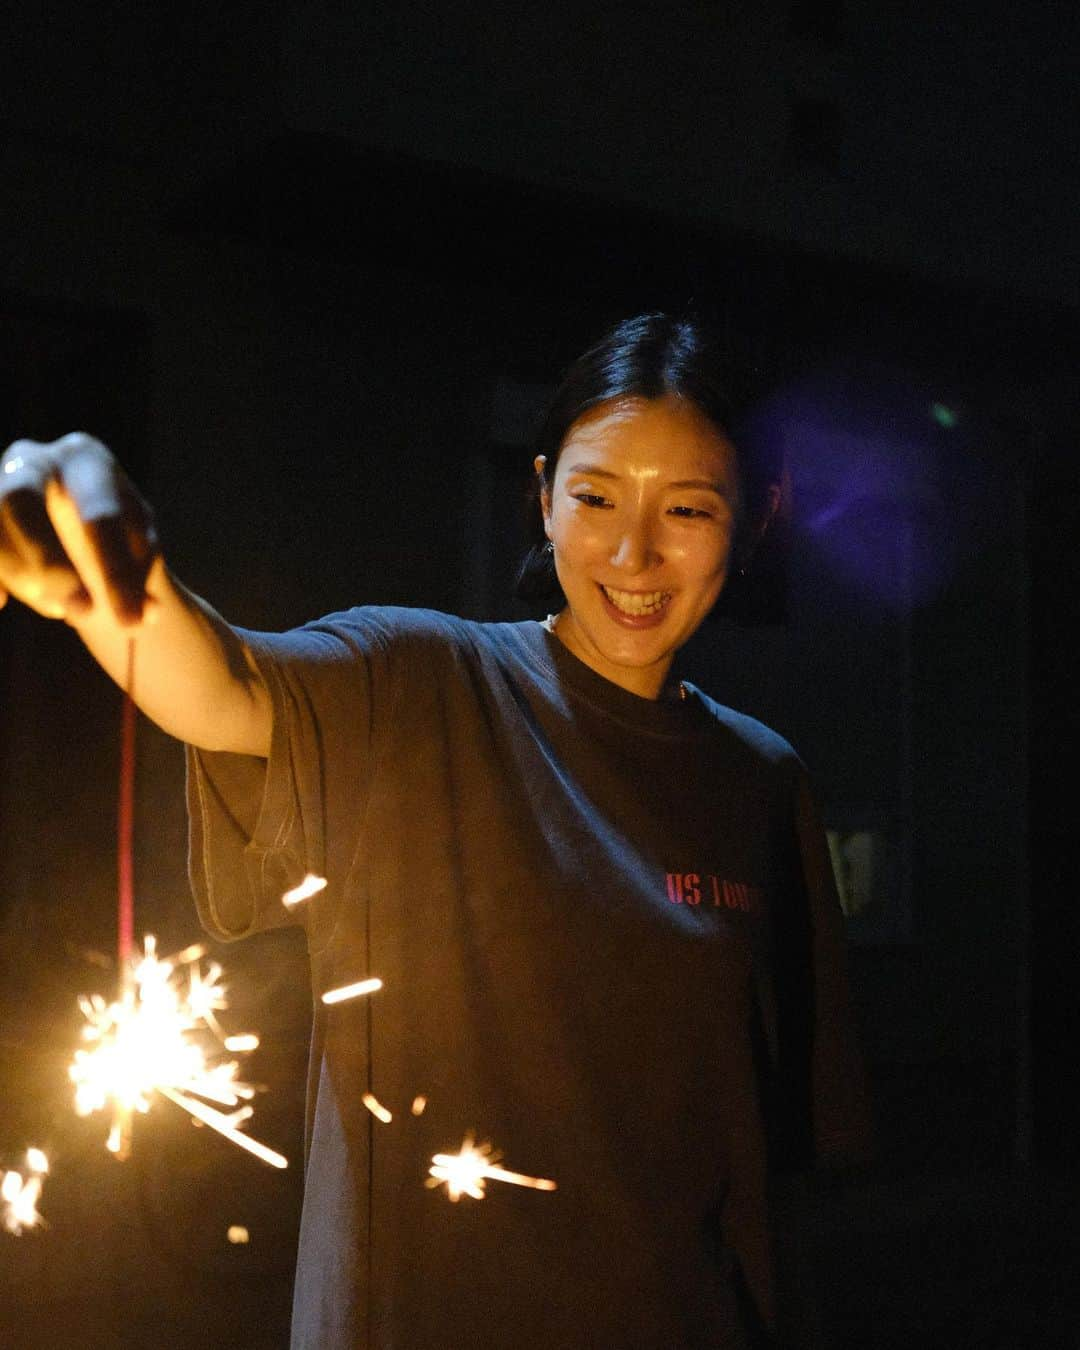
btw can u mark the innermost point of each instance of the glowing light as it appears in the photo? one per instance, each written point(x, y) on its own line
point(206, 996)
point(225, 1126)
point(419, 1103)
point(163, 1037)
point(468, 1171)
point(348, 991)
point(195, 952)
point(376, 1108)
point(37, 1161)
point(238, 1234)
point(944, 416)
point(311, 885)
point(239, 1045)
point(19, 1194)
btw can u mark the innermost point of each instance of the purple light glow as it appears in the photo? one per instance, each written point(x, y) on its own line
point(866, 468)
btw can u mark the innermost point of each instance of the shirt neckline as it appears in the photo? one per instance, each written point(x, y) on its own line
point(662, 716)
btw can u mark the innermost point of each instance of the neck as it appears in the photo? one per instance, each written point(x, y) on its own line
point(644, 681)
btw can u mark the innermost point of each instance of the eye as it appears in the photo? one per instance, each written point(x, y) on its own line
point(690, 513)
point(590, 499)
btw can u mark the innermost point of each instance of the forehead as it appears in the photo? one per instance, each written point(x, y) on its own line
point(668, 437)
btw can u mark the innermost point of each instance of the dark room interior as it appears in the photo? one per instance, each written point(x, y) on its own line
point(311, 271)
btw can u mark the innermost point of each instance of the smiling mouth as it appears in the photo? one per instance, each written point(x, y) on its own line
point(637, 603)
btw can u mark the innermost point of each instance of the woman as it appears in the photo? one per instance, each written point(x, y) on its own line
point(599, 903)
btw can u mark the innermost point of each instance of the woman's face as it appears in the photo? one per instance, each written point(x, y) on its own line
point(641, 515)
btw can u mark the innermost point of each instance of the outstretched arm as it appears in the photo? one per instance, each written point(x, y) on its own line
point(77, 543)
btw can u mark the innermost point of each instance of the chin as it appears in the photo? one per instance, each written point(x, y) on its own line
point(636, 651)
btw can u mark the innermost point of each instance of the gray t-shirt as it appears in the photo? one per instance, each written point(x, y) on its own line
point(609, 946)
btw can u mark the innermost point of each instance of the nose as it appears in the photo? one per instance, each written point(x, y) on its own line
point(634, 548)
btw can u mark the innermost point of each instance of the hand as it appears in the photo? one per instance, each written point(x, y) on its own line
point(74, 532)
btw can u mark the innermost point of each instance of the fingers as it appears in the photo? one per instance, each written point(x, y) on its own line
point(111, 563)
point(118, 524)
point(91, 476)
point(33, 564)
point(74, 532)
point(123, 554)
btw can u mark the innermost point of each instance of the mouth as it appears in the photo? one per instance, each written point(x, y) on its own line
point(636, 606)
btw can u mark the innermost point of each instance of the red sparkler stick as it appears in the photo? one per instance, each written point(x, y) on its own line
point(125, 871)
point(125, 882)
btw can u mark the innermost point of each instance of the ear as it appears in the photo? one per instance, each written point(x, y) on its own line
point(539, 464)
point(756, 533)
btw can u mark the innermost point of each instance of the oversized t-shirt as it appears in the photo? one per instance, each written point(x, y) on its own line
point(609, 948)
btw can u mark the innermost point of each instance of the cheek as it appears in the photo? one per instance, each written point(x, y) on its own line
point(706, 557)
point(576, 536)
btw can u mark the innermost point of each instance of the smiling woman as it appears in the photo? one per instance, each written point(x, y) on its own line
point(597, 925)
point(650, 418)
point(640, 512)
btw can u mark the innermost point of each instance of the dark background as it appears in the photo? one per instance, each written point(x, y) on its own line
point(310, 268)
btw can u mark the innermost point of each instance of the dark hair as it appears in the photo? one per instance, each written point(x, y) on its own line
point(644, 357)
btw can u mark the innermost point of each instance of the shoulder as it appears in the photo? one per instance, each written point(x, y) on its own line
point(401, 634)
point(387, 624)
point(404, 623)
point(745, 733)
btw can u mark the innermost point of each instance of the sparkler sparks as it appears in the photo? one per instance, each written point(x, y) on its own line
point(241, 1044)
point(376, 1108)
point(20, 1194)
point(158, 1038)
point(351, 991)
point(468, 1171)
point(226, 1126)
point(311, 885)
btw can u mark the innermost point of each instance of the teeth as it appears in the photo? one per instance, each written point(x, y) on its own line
point(634, 602)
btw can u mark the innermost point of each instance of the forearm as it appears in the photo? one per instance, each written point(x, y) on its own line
point(193, 675)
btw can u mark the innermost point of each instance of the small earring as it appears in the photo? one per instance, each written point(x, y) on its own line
point(549, 547)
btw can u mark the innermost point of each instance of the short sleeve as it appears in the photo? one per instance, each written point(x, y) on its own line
point(257, 827)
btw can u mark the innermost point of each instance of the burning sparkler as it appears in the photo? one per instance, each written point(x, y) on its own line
point(468, 1171)
point(158, 1037)
point(20, 1194)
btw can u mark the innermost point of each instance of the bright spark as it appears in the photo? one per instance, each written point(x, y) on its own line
point(241, 1044)
point(311, 885)
point(195, 952)
point(162, 1036)
point(468, 1171)
point(376, 1108)
point(418, 1106)
point(36, 1160)
point(238, 1233)
point(351, 991)
point(19, 1193)
point(225, 1125)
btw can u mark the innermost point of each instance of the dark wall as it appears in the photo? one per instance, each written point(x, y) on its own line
point(302, 343)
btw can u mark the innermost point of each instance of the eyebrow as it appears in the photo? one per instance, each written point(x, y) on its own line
point(703, 484)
